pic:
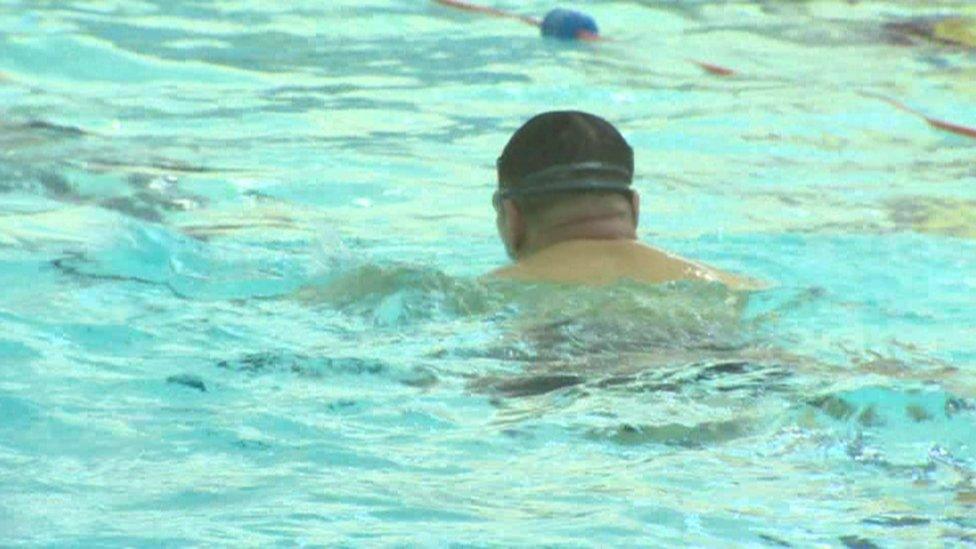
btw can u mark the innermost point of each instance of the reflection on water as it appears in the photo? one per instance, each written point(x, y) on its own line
point(938, 216)
point(954, 31)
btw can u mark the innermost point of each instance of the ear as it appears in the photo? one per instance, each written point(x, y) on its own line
point(635, 205)
point(513, 227)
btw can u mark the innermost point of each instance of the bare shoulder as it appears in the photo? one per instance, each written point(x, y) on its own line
point(696, 270)
point(604, 262)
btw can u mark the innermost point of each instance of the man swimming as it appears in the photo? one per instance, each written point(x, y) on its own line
point(566, 211)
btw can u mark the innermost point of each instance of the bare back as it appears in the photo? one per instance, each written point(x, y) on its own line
point(600, 262)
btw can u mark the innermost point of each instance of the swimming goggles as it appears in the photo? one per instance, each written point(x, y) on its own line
point(581, 176)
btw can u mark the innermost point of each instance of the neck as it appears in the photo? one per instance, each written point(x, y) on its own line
point(608, 227)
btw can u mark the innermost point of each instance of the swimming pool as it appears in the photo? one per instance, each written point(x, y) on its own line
point(240, 250)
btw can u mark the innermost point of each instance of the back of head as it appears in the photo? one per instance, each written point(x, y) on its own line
point(562, 138)
point(558, 158)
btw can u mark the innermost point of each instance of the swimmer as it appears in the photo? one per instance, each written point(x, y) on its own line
point(566, 210)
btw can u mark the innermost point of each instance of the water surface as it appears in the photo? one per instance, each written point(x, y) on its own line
point(241, 245)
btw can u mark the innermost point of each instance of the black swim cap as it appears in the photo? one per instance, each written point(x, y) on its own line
point(565, 151)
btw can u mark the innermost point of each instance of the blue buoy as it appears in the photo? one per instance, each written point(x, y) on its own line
point(567, 24)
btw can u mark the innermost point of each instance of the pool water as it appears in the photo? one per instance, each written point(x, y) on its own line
point(241, 248)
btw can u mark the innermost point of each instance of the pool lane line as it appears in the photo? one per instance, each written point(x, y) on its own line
point(490, 11)
point(943, 125)
point(710, 68)
point(579, 34)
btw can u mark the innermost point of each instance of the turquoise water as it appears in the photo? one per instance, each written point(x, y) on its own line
point(240, 250)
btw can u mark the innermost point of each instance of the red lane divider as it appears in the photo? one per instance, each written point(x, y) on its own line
point(466, 6)
point(950, 127)
point(710, 68)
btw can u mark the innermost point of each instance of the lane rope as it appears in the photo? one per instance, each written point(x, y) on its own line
point(573, 25)
point(566, 25)
point(943, 125)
